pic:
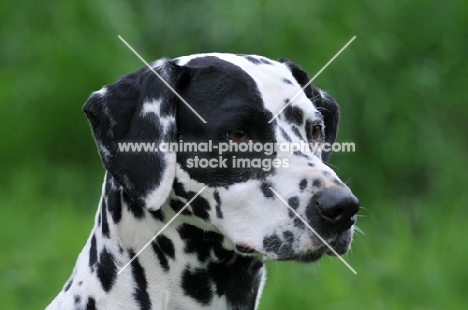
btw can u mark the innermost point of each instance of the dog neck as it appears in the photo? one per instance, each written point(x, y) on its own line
point(187, 261)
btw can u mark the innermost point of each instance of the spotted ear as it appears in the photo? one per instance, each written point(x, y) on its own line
point(138, 109)
point(322, 101)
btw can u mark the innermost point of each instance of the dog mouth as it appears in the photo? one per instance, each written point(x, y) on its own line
point(336, 247)
point(307, 258)
point(245, 249)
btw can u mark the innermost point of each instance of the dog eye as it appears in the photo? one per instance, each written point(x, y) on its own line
point(316, 132)
point(238, 135)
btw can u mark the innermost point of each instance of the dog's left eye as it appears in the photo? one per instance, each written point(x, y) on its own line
point(238, 135)
point(316, 132)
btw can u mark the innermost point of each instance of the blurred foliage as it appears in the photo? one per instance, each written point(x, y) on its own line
point(401, 86)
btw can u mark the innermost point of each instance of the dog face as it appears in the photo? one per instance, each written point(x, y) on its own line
point(237, 96)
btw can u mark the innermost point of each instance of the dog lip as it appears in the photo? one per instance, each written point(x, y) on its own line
point(245, 249)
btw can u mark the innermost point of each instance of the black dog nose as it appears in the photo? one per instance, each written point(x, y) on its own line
point(338, 209)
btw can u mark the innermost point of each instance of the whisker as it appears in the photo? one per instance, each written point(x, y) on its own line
point(359, 230)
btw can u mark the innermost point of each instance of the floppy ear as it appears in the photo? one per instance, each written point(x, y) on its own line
point(322, 101)
point(138, 108)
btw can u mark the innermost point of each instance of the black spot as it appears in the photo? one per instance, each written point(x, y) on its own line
point(91, 305)
point(197, 285)
point(166, 245)
point(120, 249)
point(164, 248)
point(69, 284)
point(300, 75)
point(326, 174)
point(158, 214)
point(285, 135)
point(179, 189)
point(252, 59)
point(298, 223)
point(272, 243)
point(177, 205)
point(216, 197)
point(200, 207)
point(105, 224)
point(238, 280)
point(267, 192)
point(92, 253)
point(141, 294)
point(296, 132)
point(294, 115)
point(219, 213)
point(303, 184)
point(161, 257)
point(293, 202)
point(337, 182)
point(286, 246)
point(133, 207)
point(114, 204)
point(299, 153)
point(317, 183)
point(200, 242)
point(77, 299)
point(107, 270)
point(265, 61)
point(311, 165)
point(80, 283)
point(288, 236)
point(285, 80)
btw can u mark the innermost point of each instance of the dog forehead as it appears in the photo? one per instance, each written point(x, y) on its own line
point(273, 79)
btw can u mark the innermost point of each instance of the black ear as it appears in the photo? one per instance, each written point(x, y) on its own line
point(138, 108)
point(322, 101)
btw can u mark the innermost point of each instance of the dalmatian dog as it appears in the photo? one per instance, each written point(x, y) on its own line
point(212, 255)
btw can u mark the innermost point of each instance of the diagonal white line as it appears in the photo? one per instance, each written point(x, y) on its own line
point(162, 80)
point(160, 231)
point(313, 230)
point(312, 79)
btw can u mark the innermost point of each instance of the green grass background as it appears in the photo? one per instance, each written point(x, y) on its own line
point(402, 89)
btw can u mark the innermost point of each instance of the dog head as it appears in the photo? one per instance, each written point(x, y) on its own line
point(264, 195)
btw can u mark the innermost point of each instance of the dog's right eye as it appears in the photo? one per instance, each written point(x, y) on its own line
point(238, 135)
point(316, 131)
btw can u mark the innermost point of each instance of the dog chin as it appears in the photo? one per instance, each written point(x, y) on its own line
point(310, 257)
point(340, 247)
point(313, 256)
